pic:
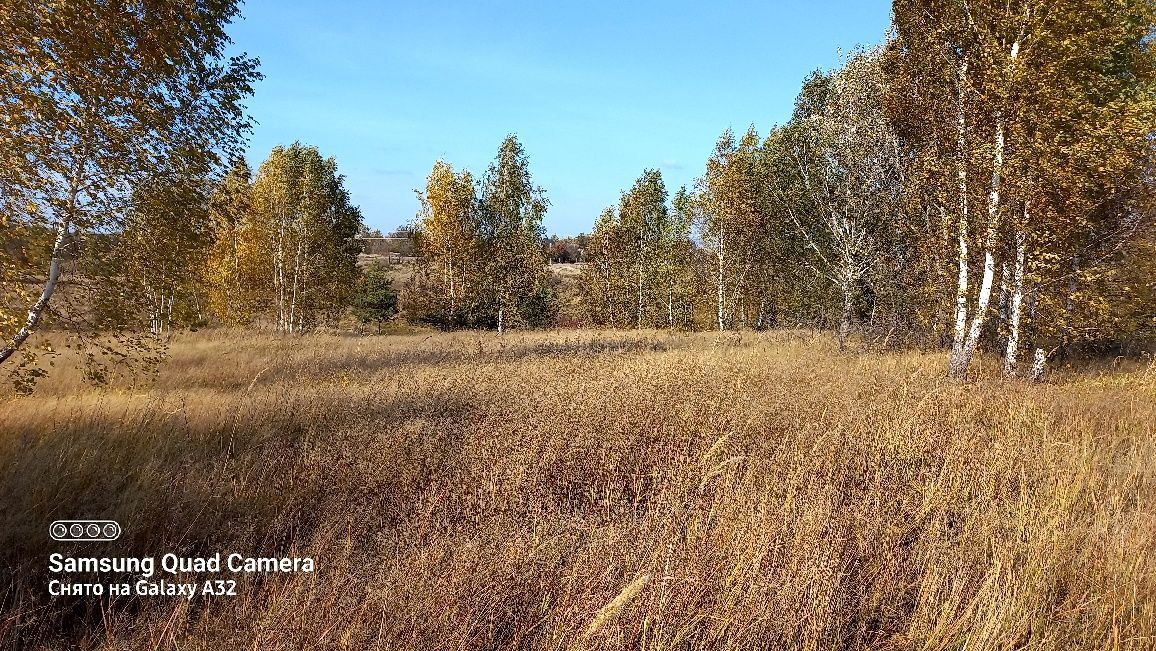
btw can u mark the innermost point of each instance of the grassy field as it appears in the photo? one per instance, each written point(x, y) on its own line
point(582, 490)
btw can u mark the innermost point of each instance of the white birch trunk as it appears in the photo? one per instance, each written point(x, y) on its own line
point(302, 300)
point(36, 312)
point(279, 272)
point(721, 295)
point(1015, 307)
point(641, 253)
point(983, 300)
point(450, 272)
point(1039, 365)
point(670, 307)
point(957, 366)
point(845, 321)
point(293, 290)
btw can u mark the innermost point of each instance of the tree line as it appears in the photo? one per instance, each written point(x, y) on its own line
point(981, 180)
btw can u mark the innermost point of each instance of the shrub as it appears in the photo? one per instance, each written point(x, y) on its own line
point(374, 298)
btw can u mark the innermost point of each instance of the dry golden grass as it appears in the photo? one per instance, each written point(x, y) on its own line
point(594, 491)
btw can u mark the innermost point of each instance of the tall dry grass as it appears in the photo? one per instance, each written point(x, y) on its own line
point(594, 491)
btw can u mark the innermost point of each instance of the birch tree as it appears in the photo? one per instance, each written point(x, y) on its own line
point(643, 215)
point(232, 280)
point(841, 181)
point(447, 285)
point(676, 253)
point(100, 97)
point(306, 229)
point(732, 211)
point(512, 208)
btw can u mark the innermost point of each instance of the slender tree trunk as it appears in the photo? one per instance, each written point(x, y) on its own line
point(279, 273)
point(1039, 365)
point(152, 311)
point(450, 273)
point(605, 264)
point(168, 322)
point(293, 294)
point(169, 316)
point(845, 321)
point(1015, 308)
point(641, 248)
point(36, 312)
point(721, 295)
point(957, 365)
point(303, 312)
point(670, 306)
point(961, 361)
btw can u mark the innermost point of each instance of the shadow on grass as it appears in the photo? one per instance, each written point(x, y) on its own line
point(256, 476)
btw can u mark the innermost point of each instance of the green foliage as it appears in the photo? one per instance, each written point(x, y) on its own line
point(637, 269)
point(374, 297)
point(447, 286)
point(299, 243)
point(114, 116)
point(483, 262)
point(512, 208)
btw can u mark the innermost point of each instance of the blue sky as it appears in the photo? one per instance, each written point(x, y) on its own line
point(596, 91)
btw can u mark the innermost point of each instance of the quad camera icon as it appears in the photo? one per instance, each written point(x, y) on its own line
point(84, 530)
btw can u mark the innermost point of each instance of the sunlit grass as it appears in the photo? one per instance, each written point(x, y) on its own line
point(596, 490)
